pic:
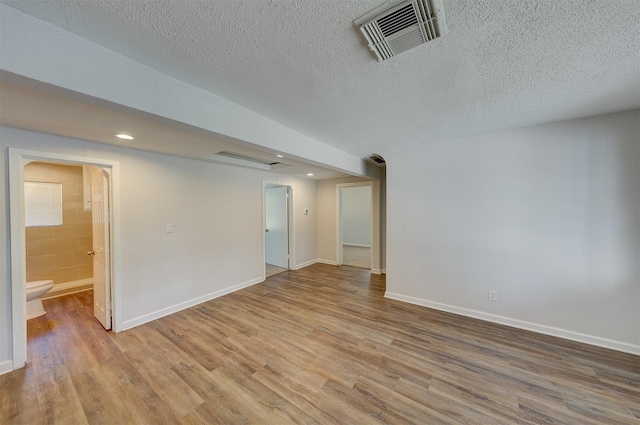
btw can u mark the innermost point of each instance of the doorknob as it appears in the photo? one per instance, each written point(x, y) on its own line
point(91, 253)
point(266, 230)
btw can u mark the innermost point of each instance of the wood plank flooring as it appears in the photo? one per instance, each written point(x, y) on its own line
point(315, 346)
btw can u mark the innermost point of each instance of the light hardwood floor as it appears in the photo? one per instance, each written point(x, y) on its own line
point(314, 346)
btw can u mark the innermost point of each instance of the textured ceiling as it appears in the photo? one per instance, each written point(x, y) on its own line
point(503, 63)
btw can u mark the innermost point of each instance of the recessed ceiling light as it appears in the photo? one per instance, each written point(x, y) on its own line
point(309, 174)
point(123, 136)
point(280, 156)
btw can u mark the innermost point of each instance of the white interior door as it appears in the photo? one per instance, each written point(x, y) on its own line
point(101, 248)
point(340, 253)
point(276, 231)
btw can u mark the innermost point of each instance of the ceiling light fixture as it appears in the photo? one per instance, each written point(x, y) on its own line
point(280, 156)
point(309, 174)
point(124, 136)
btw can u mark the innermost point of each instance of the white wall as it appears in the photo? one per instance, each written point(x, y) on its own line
point(306, 226)
point(382, 219)
point(547, 216)
point(216, 211)
point(356, 215)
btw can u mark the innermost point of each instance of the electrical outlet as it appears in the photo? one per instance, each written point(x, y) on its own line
point(493, 295)
point(170, 228)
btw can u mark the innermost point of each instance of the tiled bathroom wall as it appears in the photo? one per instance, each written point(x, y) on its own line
point(60, 252)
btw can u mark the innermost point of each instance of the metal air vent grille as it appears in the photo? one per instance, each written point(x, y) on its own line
point(395, 27)
point(246, 158)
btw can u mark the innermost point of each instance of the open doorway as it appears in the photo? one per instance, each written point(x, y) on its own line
point(355, 225)
point(67, 236)
point(57, 249)
point(277, 211)
point(103, 198)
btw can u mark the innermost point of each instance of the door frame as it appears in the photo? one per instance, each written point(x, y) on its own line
point(18, 158)
point(374, 222)
point(290, 227)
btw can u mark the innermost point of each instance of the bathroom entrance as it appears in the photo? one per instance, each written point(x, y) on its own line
point(66, 233)
point(76, 252)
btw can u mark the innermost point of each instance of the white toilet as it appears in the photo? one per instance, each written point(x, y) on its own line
point(35, 291)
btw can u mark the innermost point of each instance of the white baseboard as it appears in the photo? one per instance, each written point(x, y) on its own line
point(329, 262)
point(66, 288)
point(303, 265)
point(383, 271)
point(128, 324)
point(376, 271)
point(521, 324)
point(6, 367)
point(357, 245)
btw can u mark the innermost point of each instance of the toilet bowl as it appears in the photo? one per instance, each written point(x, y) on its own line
point(35, 291)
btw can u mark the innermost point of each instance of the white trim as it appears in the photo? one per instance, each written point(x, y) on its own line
point(6, 367)
point(383, 271)
point(68, 288)
point(376, 271)
point(357, 244)
point(18, 158)
point(329, 262)
point(18, 260)
point(128, 324)
point(303, 265)
point(339, 241)
point(520, 324)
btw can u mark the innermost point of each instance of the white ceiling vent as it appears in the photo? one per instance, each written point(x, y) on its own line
point(398, 26)
point(246, 158)
point(232, 158)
